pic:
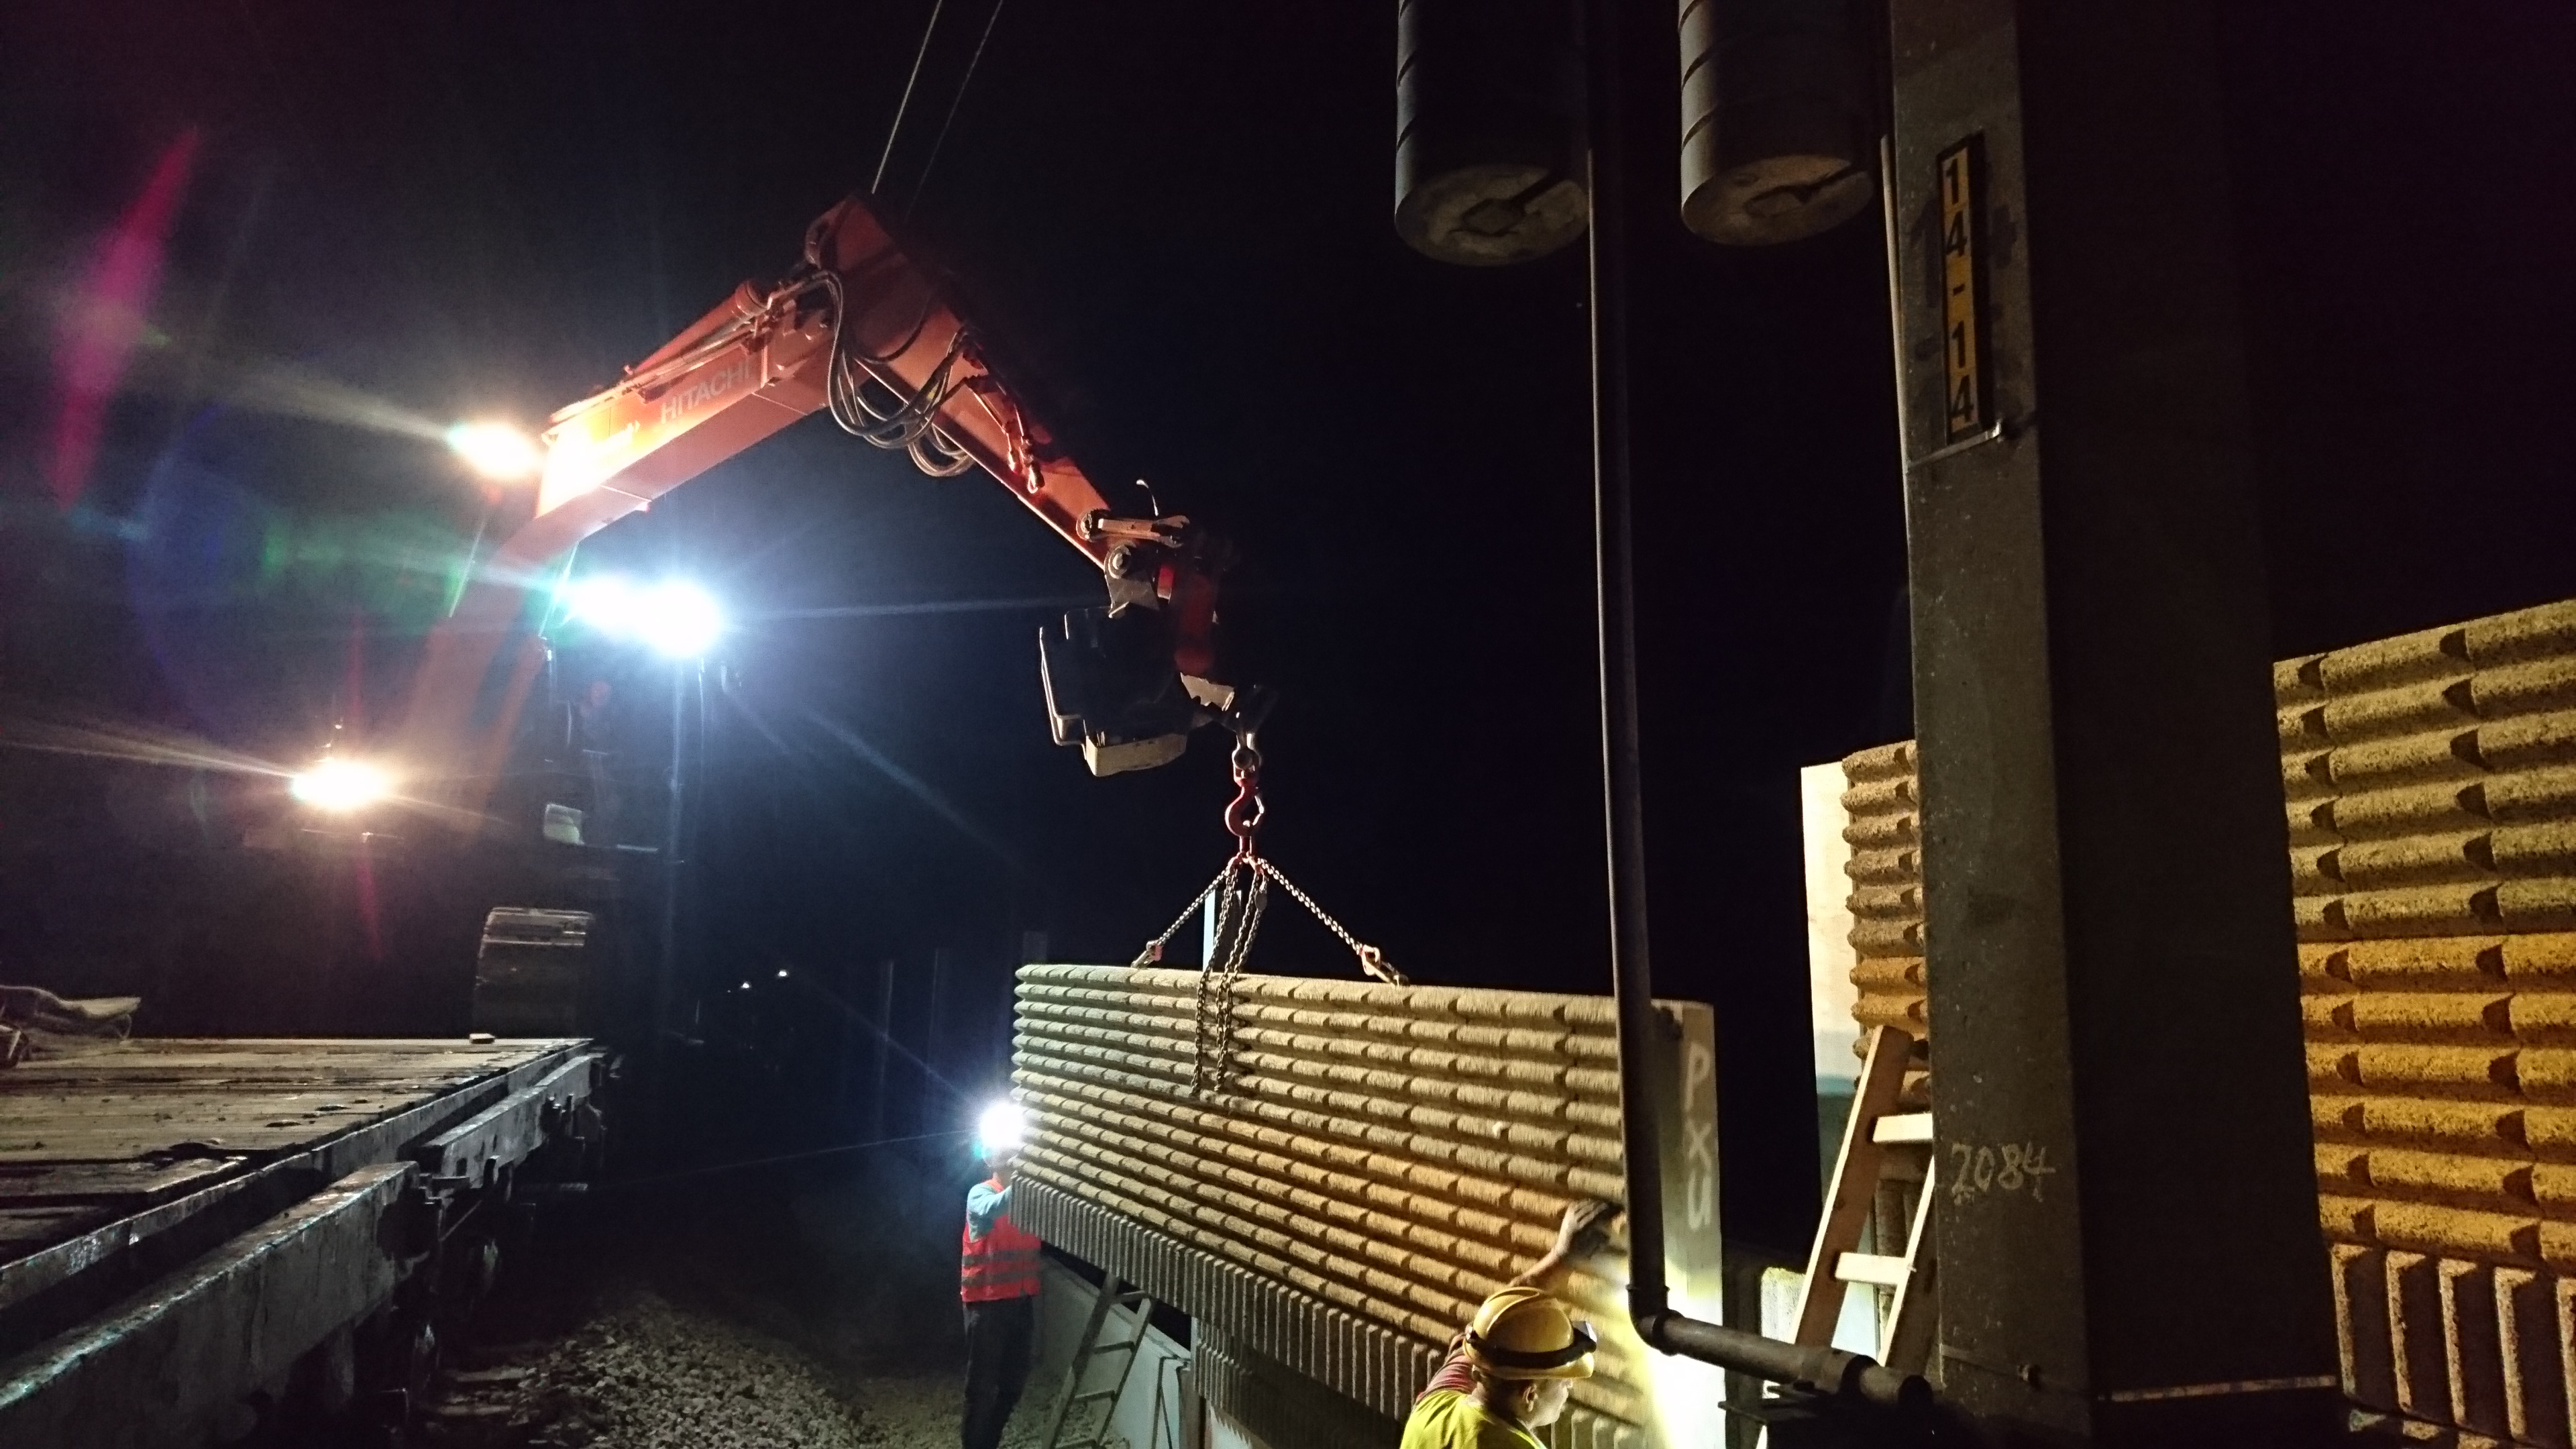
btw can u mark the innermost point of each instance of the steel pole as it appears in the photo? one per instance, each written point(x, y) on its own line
point(1825, 1370)
point(1615, 603)
point(2106, 885)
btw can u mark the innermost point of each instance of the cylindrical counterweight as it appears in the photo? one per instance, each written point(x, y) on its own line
point(1776, 122)
point(1488, 147)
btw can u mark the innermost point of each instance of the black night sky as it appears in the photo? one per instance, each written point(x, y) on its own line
point(1172, 220)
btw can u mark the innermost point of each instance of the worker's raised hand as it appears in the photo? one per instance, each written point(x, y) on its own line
point(1584, 1231)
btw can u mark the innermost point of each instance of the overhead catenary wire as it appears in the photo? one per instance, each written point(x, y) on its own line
point(922, 182)
point(895, 131)
point(911, 424)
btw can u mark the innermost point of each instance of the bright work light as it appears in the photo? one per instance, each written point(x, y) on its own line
point(603, 601)
point(1002, 1128)
point(340, 785)
point(496, 450)
point(673, 617)
point(678, 619)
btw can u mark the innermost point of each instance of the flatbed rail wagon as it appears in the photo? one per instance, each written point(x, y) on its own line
point(199, 1235)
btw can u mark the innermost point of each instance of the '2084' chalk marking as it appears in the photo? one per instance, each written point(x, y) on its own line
point(2012, 1167)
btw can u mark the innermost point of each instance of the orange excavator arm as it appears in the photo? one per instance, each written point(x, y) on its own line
point(861, 330)
point(858, 312)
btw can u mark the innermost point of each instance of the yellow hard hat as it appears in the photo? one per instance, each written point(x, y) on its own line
point(1524, 1333)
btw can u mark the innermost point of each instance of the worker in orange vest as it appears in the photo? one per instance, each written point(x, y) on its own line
point(998, 1281)
point(1510, 1372)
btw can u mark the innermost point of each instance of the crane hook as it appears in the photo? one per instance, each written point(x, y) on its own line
point(1243, 815)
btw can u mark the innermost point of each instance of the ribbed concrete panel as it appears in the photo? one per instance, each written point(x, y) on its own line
point(1264, 1396)
point(1333, 1174)
point(1886, 900)
point(2430, 784)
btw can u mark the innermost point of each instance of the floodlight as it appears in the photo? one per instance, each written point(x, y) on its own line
point(674, 617)
point(1002, 1128)
point(605, 602)
point(678, 619)
point(340, 785)
point(496, 450)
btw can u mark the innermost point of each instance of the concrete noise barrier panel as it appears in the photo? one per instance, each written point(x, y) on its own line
point(1333, 1174)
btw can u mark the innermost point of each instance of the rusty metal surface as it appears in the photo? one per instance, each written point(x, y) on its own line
point(268, 1169)
point(1383, 1158)
point(223, 1123)
point(164, 1367)
point(503, 1135)
point(244, 1096)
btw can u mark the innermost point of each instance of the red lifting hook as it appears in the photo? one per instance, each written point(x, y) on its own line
point(1243, 815)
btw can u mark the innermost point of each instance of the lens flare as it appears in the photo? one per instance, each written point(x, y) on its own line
point(679, 620)
point(105, 320)
point(340, 785)
point(496, 450)
point(1002, 1128)
point(674, 618)
point(605, 602)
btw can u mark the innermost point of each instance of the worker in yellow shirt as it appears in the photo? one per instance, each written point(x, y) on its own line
point(1510, 1373)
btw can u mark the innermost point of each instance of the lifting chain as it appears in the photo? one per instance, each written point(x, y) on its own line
point(1241, 891)
point(1372, 960)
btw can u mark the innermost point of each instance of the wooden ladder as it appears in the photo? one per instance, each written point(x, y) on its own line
point(1114, 1294)
point(1873, 1136)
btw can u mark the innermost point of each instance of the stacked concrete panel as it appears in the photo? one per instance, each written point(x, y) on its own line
point(1332, 1174)
point(1885, 832)
point(2431, 787)
point(2431, 784)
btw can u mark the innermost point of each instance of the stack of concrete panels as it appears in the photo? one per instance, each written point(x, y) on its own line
point(2431, 783)
point(1884, 827)
point(2431, 787)
point(1333, 1174)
